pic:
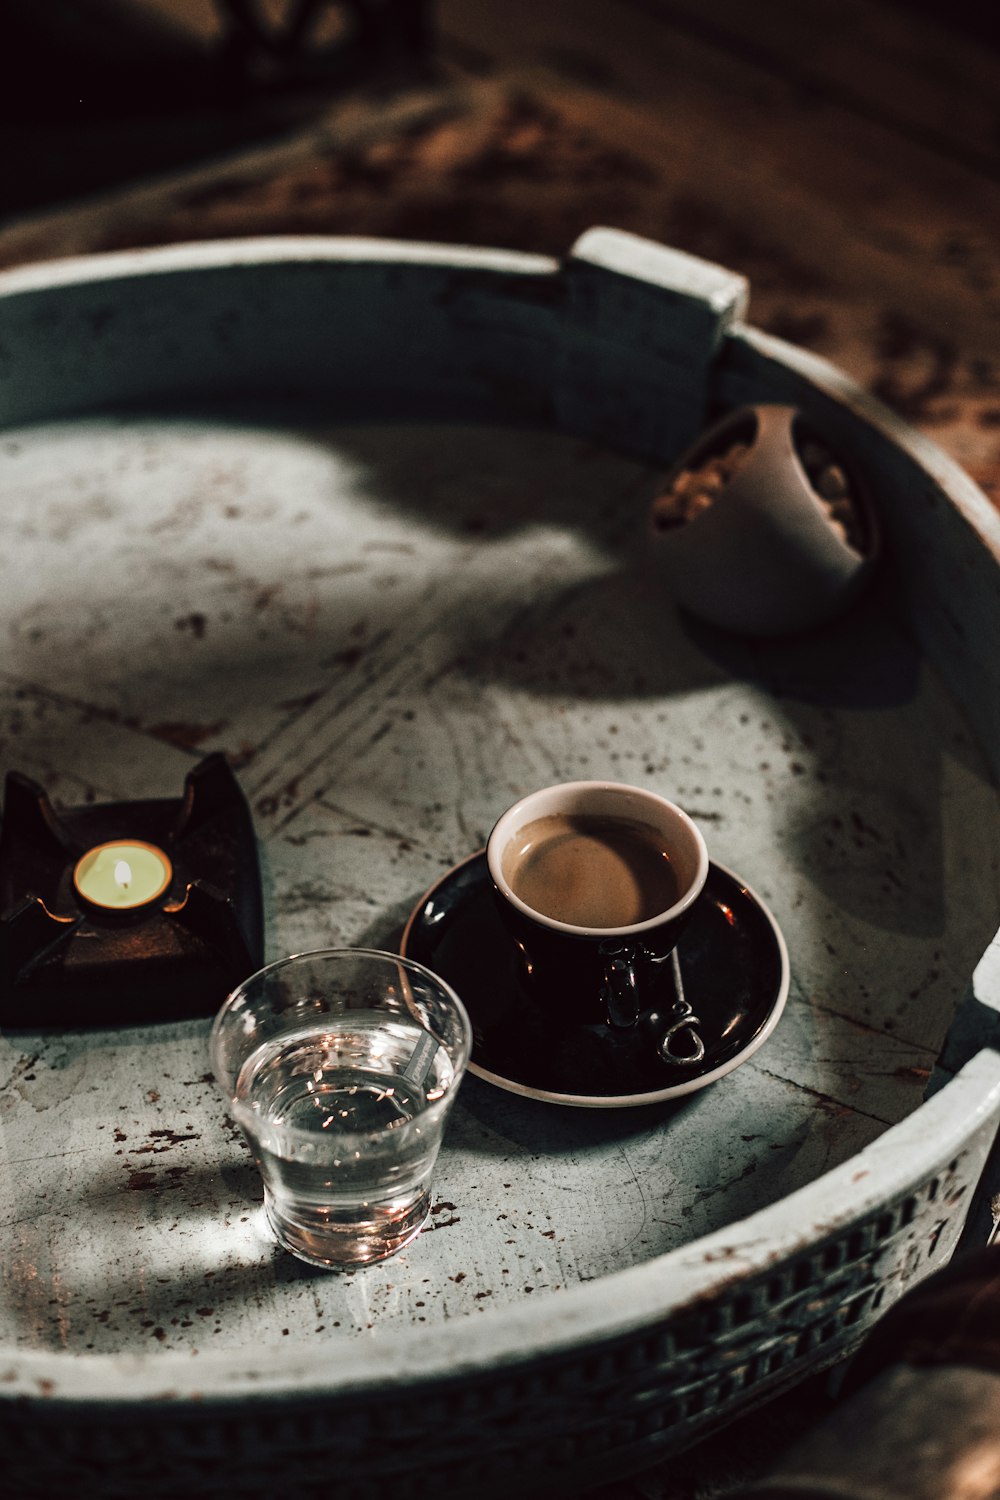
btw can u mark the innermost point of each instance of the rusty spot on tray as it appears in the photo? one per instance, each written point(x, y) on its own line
point(185, 736)
point(265, 596)
point(348, 658)
point(307, 700)
point(195, 622)
point(163, 1140)
point(139, 1181)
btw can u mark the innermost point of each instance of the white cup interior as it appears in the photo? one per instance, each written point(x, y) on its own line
point(682, 839)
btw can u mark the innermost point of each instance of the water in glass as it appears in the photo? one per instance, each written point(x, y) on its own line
point(340, 1133)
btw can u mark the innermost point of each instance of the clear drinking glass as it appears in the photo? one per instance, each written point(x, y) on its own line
point(341, 1067)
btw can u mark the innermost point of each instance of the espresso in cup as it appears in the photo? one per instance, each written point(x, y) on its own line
point(591, 870)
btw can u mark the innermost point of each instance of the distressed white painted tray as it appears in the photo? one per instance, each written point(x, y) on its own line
point(367, 517)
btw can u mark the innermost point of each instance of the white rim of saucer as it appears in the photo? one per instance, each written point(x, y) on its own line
point(652, 1096)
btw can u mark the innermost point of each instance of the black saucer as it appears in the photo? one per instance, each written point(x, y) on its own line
point(735, 969)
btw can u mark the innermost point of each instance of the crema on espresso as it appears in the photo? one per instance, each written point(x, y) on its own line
point(591, 870)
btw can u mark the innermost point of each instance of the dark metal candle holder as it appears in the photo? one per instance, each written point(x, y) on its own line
point(67, 962)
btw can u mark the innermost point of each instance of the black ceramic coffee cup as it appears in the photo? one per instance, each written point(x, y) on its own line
point(598, 969)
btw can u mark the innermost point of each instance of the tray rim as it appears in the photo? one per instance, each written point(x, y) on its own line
point(630, 1300)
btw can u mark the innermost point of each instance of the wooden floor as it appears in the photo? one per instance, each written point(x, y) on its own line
point(844, 156)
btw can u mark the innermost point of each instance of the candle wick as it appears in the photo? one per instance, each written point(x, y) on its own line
point(123, 874)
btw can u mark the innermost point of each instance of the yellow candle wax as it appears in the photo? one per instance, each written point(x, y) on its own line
point(122, 874)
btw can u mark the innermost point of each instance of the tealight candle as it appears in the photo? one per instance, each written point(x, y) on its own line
point(122, 874)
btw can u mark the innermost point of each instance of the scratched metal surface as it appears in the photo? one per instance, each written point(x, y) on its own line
point(392, 632)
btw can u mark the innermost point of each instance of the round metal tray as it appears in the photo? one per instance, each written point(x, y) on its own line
point(368, 518)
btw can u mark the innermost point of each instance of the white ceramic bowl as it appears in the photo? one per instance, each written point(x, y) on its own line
point(763, 558)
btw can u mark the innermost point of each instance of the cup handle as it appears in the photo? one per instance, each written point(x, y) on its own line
point(623, 1004)
point(620, 991)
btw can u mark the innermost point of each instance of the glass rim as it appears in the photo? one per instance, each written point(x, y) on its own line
point(294, 1133)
